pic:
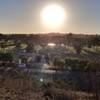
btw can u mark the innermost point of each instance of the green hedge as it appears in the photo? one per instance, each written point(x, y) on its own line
point(6, 57)
point(77, 64)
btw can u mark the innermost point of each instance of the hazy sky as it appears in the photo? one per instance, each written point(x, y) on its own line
point(23, 16)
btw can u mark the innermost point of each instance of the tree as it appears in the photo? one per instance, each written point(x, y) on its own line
point(69, 39)
point(59, 63)
point(94, 41)
point(30, 47)
point(78, 48)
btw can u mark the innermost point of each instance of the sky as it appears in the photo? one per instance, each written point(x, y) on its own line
point(23, 16)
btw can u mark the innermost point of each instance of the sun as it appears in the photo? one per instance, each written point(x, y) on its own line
point(53, 16)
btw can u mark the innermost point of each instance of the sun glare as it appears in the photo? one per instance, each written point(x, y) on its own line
point(51, 44)
point(53, 16)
